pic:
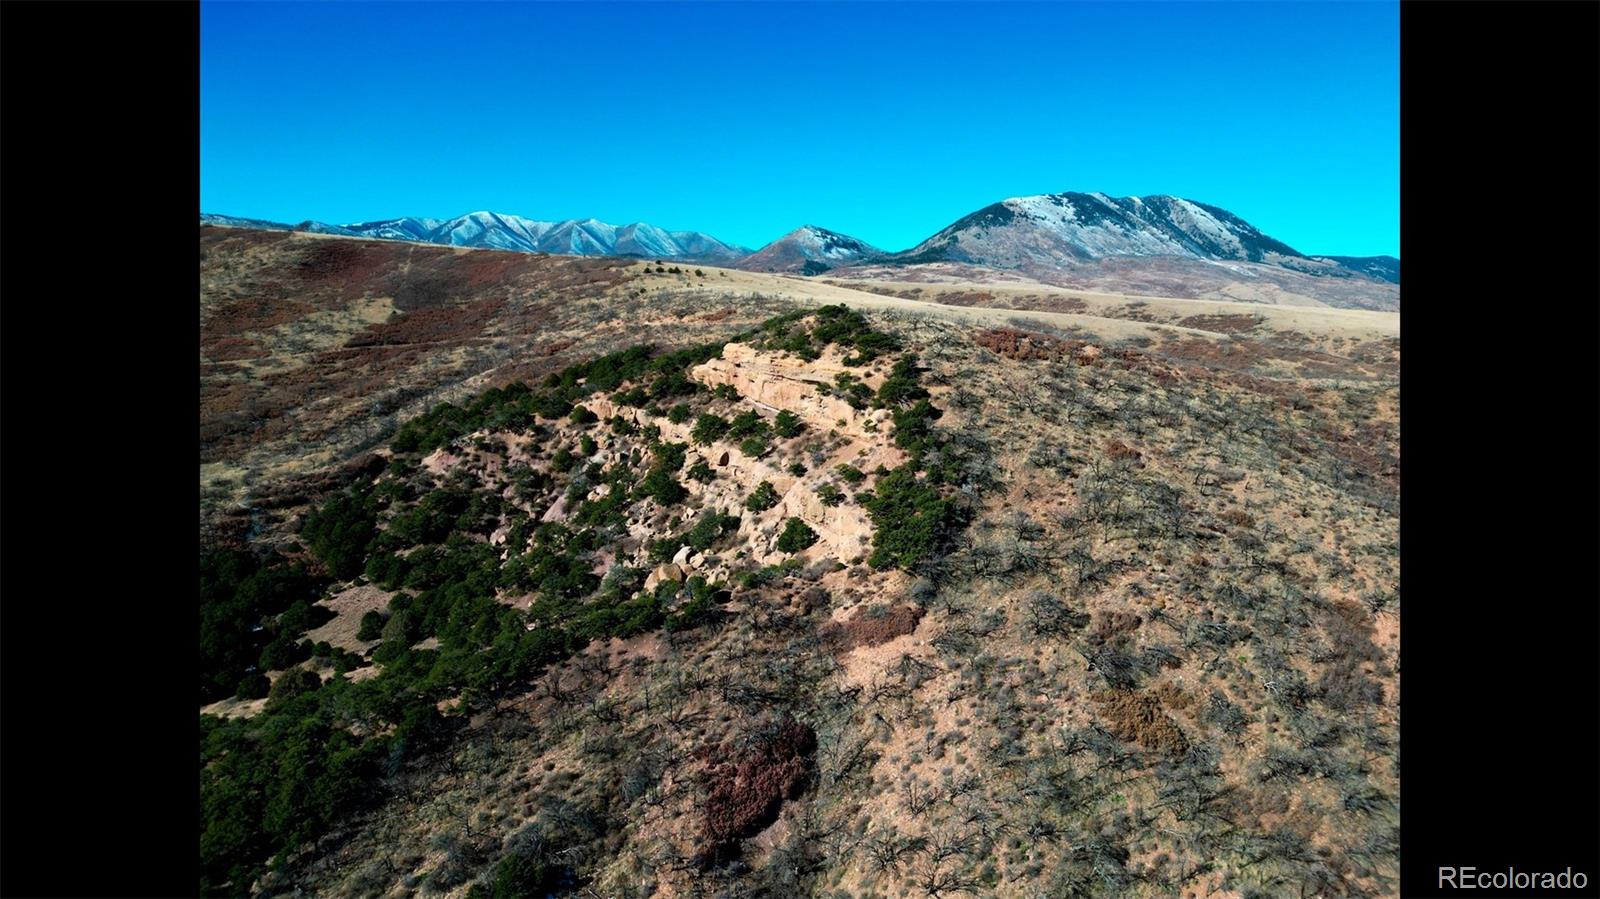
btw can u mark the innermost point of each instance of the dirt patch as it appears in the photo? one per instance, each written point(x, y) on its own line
point(233, 707)
point(348, 607)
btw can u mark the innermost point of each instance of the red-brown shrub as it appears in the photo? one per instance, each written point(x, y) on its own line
point(1014, 344)
point(1120, 452)
point(864, 629)
point(748, 792)
point(1111, 625)
point(1139, 718)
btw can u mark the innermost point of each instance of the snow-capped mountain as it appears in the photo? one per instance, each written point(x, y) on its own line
point(492, 230)
point(588, 237)
point(233, 221)
point(1052, 236)
point(1068, 229)
point(809, 250)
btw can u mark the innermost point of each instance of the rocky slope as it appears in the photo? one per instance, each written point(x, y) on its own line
point(1384, 268)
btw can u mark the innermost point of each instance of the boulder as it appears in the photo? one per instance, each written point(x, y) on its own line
point(664, 572)
point(557, 511)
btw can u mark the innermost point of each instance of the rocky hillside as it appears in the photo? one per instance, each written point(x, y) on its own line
point(1384, 268)
point(831, 604)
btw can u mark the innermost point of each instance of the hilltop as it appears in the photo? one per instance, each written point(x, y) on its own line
point(527, 574)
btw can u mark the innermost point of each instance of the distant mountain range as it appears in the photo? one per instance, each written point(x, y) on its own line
point(491, 230)
point(1044, 234)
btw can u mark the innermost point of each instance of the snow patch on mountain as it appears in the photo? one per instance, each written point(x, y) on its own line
point(809, 250)
point(493, 230)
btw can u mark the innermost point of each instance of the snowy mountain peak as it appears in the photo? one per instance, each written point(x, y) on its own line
point(809, 250)
point(1042, 233)
point(493, 230)
point(1072, 227)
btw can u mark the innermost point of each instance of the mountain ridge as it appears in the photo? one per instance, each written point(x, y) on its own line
point(1058, 232)
point(492, 230)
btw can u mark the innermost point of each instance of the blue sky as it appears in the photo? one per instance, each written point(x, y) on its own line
point(745, 120)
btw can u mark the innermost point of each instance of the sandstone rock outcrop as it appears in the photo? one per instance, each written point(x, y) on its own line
point(771, 382)
point(664, 572)
point(780, 381)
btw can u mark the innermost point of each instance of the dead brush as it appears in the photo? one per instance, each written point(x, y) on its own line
point(887, 852)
